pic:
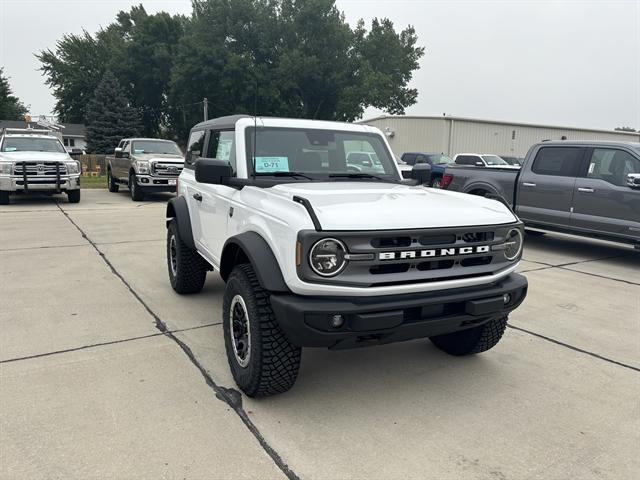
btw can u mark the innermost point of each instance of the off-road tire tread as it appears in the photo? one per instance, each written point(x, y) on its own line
point(111, 184)
point(192, 268)
point(4, 198)
point(474, 340)
point(73, 196)
point(280, 360)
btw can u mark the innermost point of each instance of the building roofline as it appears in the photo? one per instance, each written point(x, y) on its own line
point(495, 122)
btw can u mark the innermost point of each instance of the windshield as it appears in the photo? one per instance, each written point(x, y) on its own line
point(32, 144)
point(157, 148)
point(440, 159)
point(319, 154)
point(494, 160)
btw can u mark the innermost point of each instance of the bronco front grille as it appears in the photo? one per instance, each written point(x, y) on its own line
point(413, 256)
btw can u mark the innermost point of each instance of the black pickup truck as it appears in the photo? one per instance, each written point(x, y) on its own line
point(583, 188)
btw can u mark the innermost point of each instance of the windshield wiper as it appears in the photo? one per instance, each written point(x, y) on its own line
point(356, 175)
point(284, 174)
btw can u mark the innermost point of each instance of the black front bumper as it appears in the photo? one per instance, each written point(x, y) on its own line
point(307, 321)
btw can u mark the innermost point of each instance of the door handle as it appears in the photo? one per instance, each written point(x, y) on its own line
point(585, 190)
point(197, 196)
point(527, 184)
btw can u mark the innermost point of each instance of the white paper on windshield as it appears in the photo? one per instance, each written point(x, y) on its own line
point(272, 164)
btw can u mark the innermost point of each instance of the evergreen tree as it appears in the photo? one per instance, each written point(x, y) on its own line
point(110, 117)
point(11, 108)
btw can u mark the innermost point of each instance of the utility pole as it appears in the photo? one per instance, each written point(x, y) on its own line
point(205, 105)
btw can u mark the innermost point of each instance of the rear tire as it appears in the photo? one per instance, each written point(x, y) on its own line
point(187, 269)
point(137, 195)
point(262, 361)
point(73, 196)
point(435, 183)
point(4, 198)
point(473, 340)
point(111, 182)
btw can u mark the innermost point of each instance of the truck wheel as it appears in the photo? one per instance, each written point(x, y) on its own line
point(137, 195)
point(73, 196)
point(4, 198)
point(435, 183)
point(262, 360)
point(473, 340)
point(111, 182)
point(187, 269)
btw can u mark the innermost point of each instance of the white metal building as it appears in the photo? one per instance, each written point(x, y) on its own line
point(452, 135)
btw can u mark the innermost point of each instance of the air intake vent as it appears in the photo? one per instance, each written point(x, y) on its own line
point(478, 237)
point(389, 242)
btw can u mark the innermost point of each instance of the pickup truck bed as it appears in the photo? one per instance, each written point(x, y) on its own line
point(583, 188)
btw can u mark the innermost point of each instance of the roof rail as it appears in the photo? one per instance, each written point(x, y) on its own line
point(27, 131)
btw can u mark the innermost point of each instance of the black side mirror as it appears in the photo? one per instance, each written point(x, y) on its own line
point(421, 172)
point(213, 171)
point(117, 152)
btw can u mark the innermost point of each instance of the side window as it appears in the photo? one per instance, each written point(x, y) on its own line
point(126, 147)
point(194, 147)
point(466, 160)
point(557, 161)
point(612, 165)
point(221, 145)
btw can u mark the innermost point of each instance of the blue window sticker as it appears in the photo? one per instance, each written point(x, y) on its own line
point(272, 164)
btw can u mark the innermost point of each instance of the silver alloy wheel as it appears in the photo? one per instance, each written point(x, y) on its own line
point(173, 255)
point(240, 331)
point(436, 183)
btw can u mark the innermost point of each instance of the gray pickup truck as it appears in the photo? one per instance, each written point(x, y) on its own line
point(144, 165)
point(579, 187)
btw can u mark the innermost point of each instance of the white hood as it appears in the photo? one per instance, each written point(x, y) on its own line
point(385, 206)
point(35, 156)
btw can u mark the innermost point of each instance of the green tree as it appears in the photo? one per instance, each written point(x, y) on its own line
point(625, 129)
point(11, 108)
point(138, 48)
point(110, 117)
point(300, 56)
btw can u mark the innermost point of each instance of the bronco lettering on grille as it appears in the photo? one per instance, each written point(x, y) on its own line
point(436, 252)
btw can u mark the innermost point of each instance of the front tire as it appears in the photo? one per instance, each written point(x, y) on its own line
point(473, 340)
point(137, 195)
point(4, 198)
point(111, 182)
point(187, 269)
point(262, 361)
point(73, 196)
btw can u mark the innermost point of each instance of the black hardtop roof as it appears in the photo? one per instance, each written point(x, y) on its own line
point(228, 122)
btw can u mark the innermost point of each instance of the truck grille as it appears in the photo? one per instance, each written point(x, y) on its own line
point(39, 168)
point(407, 256)
point(167, 169)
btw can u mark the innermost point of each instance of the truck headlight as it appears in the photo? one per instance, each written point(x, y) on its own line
point(5, 168)
point(72, 167)
point(143, 168)
point(513, 244)
point(327, 257)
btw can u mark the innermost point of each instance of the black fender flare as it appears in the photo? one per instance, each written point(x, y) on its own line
point(251, 247)
point(177, 209)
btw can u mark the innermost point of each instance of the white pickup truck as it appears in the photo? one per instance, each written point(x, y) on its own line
point(35, 161)
point(318, 253)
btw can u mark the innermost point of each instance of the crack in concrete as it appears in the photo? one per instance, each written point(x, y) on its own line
point(226, 395)
point(82, 245)
point(103, 344)
point(577, 349)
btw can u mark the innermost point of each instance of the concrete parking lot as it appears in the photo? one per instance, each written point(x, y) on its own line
point(105, 372)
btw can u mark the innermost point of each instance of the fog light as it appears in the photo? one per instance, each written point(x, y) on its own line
point(337, 321)
point(145, 180)
point(506, 298)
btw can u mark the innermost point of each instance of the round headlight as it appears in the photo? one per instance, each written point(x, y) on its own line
point(327, 257)
point(513, 244)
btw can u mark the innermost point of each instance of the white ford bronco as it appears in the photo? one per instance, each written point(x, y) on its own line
point(35, 161)
point(318, 252)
